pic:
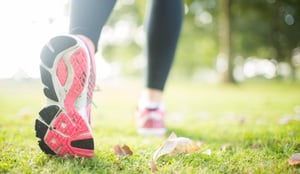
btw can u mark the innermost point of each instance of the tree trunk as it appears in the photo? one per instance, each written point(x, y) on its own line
point(225, 41)
point(275, 33)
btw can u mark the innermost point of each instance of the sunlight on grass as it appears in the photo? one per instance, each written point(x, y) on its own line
point(245, 116)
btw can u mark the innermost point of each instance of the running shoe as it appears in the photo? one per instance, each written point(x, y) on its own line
point(68, 73)
point(150, 122)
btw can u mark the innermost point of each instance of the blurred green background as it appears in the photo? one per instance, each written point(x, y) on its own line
point(221, 40)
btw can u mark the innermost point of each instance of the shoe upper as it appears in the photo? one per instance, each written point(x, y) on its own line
point(150, 121)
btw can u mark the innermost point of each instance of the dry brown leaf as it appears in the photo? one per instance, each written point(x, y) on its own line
point(152, 166)
point(127, 150)
point(122, 151)
point(176, 145)
point(242, 120)
point(172, 146)
point(184, 145)
point(255, 146)
point(294, 159)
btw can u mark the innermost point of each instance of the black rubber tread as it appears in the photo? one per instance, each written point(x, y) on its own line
point(47, 81)
point(56, 45)
point(45, 148)
point(83, 144)
point(50, 94)
point(49, 52)
point(41, 129)
point(47, 114)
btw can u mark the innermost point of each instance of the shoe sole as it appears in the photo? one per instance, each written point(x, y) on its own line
point(60, 127)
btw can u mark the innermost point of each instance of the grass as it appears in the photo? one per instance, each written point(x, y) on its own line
point(246, 116)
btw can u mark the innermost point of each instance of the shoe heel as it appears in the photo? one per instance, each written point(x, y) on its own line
point(58, 134)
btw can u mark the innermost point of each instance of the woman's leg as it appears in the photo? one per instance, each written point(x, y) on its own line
point(89, 16)
point(163, 25)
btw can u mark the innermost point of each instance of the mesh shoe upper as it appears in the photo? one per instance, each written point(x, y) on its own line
point(150, 121)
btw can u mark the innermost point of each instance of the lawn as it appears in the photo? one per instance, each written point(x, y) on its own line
point(258, 123)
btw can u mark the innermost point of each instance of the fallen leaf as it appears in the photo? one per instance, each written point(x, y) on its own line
point(294, 159)
point(82, 160)
point(172, 146)
point(184, 145)
point(122, 151)
point(226, 146)
point(176, 145)
point(207, 152)
point(255, 146)
point(289, 118)
point(152, 166)
point(297, 117)
point(285, 120)
point(297, 109)
point(242, 120)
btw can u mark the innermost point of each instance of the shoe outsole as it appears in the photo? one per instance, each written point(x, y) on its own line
point(60, 128)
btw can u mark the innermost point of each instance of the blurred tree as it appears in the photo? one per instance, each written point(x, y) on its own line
point(198, 46)
point(225, 40)
point(285, 30)
point(232, 28)
point(266, 28)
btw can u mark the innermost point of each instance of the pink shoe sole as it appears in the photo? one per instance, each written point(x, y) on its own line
point(61, 129)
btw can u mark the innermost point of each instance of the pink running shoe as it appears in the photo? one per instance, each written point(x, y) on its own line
point(150, 122)
point(68, 73)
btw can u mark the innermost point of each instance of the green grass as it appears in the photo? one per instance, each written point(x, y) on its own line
point(246, 116)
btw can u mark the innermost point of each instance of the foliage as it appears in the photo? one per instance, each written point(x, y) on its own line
point(260, 28)
point(266, 28)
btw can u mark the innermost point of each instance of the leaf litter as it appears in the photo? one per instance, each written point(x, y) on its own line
point(225, 147)
point(294, 159)
point(172, 146)
point(287, 118)
point(122, 151)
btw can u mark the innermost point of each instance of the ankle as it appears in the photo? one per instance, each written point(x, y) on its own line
point(151, 98)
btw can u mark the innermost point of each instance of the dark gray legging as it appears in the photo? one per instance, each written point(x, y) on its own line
point(163, 24)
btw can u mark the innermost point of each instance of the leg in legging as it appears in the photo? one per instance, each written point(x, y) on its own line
point(163, 25)
point(88, 17)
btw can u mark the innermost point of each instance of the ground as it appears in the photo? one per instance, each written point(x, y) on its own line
point(257, 122)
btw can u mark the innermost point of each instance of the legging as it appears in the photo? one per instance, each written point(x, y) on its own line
point(163, 25)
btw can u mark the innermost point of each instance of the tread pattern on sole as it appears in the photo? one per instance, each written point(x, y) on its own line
point(60, 129)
